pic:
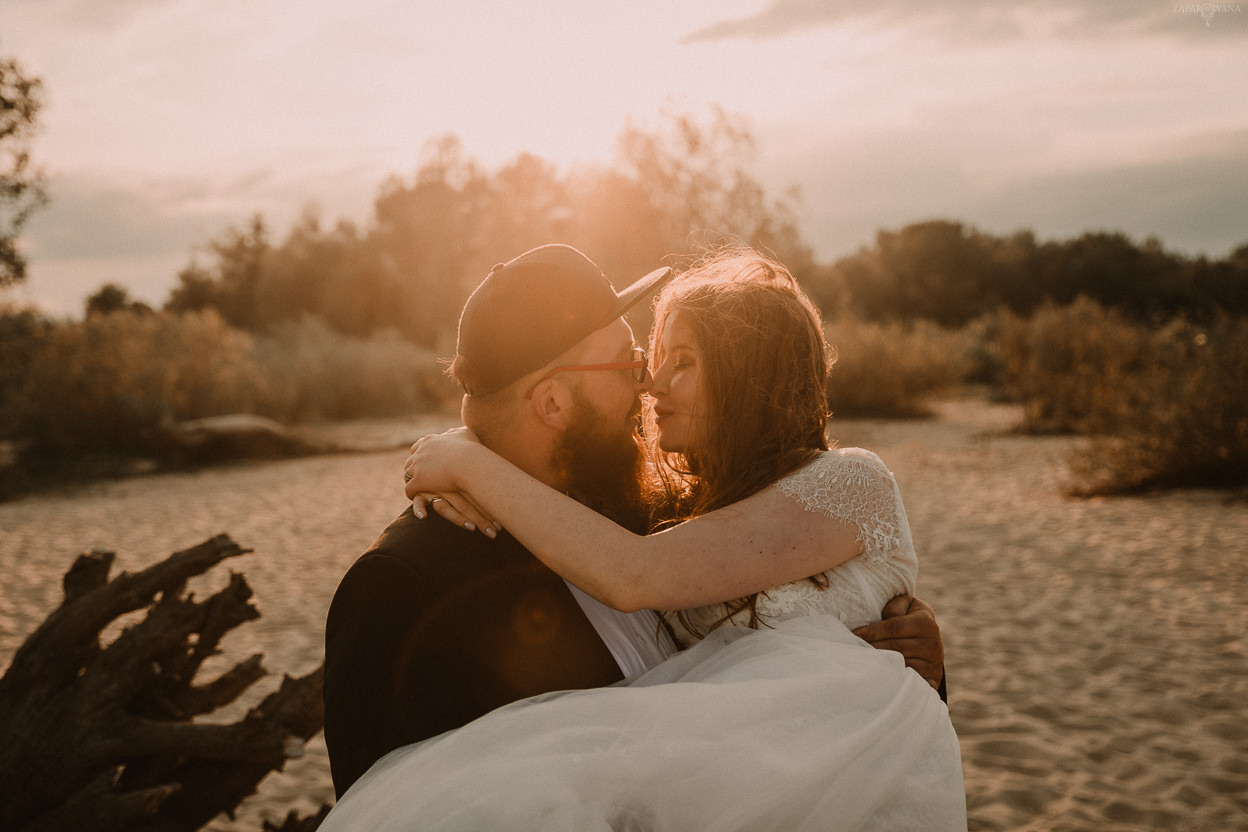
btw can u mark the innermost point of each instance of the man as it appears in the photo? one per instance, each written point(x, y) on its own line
point(437, 624)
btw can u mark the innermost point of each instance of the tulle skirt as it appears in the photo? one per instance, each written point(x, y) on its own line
point(800, 727)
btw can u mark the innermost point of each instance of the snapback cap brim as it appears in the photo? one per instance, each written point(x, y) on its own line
point(643, 288)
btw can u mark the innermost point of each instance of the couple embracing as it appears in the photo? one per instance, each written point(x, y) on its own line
point(573, 629)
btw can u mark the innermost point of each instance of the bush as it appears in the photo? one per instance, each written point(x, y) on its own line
point(309, 372)
point(1181, 420)
point(107, 384)
point(893, 370)
point(22, 334)
point(1065, 363)
point(104, 383)
point(1164, 406)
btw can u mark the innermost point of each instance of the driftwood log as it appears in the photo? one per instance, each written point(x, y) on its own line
point(232, 436)
point(104, 737)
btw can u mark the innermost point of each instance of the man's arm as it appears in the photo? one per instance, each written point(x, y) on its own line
point(367, 711)
point(909, 627)
point(417, 646)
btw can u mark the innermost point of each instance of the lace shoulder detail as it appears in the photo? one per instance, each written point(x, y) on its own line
point(854, 486)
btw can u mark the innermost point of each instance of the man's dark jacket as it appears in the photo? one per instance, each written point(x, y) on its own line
point(434, 626)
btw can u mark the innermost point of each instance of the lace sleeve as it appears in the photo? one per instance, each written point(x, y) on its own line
point(854, 486)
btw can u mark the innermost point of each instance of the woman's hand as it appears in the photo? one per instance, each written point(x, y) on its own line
point(431, 482)
point(457, 508)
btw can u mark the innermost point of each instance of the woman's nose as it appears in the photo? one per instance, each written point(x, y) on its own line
point(656, 381)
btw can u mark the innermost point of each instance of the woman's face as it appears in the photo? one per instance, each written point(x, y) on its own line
point(678, 410)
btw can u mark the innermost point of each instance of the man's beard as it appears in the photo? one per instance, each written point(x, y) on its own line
point(603, 466)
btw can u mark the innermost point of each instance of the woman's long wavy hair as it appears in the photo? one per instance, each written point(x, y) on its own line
point(763, 375)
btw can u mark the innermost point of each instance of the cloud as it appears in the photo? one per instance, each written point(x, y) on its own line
point(93, 215)
point(140, 230)
point(1192, 199)
point(134, 231)
point(1188, 194)
point(116, 213)
point(985, 19)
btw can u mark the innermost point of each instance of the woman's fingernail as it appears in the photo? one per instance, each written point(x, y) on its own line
point(420, 514)
point(470, 527)
point(490, 533)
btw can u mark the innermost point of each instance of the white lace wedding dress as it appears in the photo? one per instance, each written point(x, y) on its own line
point(798, 725)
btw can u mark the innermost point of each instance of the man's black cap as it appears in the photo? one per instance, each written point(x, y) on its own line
point(531, 309)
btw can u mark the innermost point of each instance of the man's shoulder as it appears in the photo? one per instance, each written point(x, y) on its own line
point(433, 550)
point(414, 541)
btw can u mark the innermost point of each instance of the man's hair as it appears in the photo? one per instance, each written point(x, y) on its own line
point(492, 413)
point(763, 377)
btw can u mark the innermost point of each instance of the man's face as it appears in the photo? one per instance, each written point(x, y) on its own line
point(600, 456)
point(614, 395)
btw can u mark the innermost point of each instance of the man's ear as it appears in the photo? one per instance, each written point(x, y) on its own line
point(552, 404)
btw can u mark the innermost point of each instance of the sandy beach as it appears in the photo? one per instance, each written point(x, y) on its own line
point(1096, 649)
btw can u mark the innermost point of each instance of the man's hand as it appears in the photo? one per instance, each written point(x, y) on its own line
point(909, 627)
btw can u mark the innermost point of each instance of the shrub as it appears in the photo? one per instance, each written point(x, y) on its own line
point(22, 334)
point(1181, 420)
point(893, 370)
point(1064, 363)
point(105, 382)
point(1164, 406)
point(309, 371)
point(108, 383)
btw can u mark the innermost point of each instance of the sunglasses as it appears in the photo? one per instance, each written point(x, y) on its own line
point(639, 365)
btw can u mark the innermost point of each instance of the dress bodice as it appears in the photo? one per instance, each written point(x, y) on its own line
point(851, 485)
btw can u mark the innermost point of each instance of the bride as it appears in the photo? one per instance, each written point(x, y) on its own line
point(772, 548)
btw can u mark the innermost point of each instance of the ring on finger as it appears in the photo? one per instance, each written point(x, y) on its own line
point(434, 499)
point(407, 476)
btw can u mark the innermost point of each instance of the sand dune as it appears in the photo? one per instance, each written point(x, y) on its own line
point(1097, 661)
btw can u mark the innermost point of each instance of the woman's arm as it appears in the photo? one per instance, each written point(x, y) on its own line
point(763, 541)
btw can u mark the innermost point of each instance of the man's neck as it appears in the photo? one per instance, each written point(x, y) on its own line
point(532, 455)
point(535, 453)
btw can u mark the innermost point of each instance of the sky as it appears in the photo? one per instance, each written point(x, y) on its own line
point(166, 122)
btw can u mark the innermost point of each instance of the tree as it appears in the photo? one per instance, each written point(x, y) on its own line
point(23, 332)
point(435, 235)
point(938, 269)
point(696, 176)
point(21, 184)
point(1114, 270)
point(432, 241)
point(231, 287)
point(111, 298)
